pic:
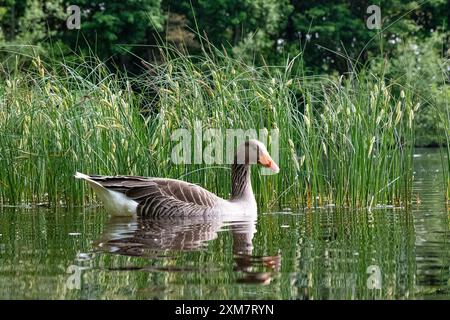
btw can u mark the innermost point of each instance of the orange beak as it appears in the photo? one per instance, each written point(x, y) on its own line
point(266, 161)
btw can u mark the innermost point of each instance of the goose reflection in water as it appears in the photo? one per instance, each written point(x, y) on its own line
point(152, 238)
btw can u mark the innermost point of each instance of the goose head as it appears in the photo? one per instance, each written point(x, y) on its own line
point(255, 152)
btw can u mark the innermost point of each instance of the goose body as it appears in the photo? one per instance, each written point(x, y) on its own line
point(161, 197)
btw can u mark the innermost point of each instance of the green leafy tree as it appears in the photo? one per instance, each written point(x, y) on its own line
point(115, 27)
point(250, 26)
point(421, 66)
point(10, 12)
point(333, 34)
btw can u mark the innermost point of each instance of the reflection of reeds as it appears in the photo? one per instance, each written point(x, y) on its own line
point(343, 142)
point(334, 249)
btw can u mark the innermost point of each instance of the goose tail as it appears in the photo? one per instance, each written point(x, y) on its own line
point(115, 202)
point(98, 188)
point(80, 175)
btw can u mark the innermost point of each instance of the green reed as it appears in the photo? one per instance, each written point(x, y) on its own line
point(344, 142)
point(444, 119)
point(360, 138)
point(441, 109)
point(56, 121)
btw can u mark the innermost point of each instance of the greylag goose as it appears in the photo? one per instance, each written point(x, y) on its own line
point(160, 197)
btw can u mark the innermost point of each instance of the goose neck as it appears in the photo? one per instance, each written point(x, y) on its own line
point(241, 186)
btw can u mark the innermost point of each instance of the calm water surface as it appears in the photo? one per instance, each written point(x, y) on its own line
point(320, 254)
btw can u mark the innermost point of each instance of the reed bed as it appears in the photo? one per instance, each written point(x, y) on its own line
point(441, 107)
point(344, 141)
point(444, 119)
point(445, 150)
point(446, 161)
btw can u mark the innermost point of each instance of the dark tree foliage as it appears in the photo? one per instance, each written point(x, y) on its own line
point(329, 33)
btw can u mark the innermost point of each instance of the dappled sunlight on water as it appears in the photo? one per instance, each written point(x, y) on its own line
point(317, 254)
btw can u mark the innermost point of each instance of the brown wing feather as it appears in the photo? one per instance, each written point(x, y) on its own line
point(158, 196)
point(142, 192)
